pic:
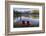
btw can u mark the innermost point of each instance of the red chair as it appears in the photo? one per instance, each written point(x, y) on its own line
point(23, 22)
point(28, 23)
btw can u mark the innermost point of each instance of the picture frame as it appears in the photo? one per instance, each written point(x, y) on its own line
point(9, 5)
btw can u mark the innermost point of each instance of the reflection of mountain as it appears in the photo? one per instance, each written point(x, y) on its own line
point(33, 21)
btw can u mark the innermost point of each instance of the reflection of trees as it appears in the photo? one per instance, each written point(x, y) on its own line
point(17, 14)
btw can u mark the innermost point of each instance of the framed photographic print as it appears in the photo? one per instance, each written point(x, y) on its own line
point(24, 17)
